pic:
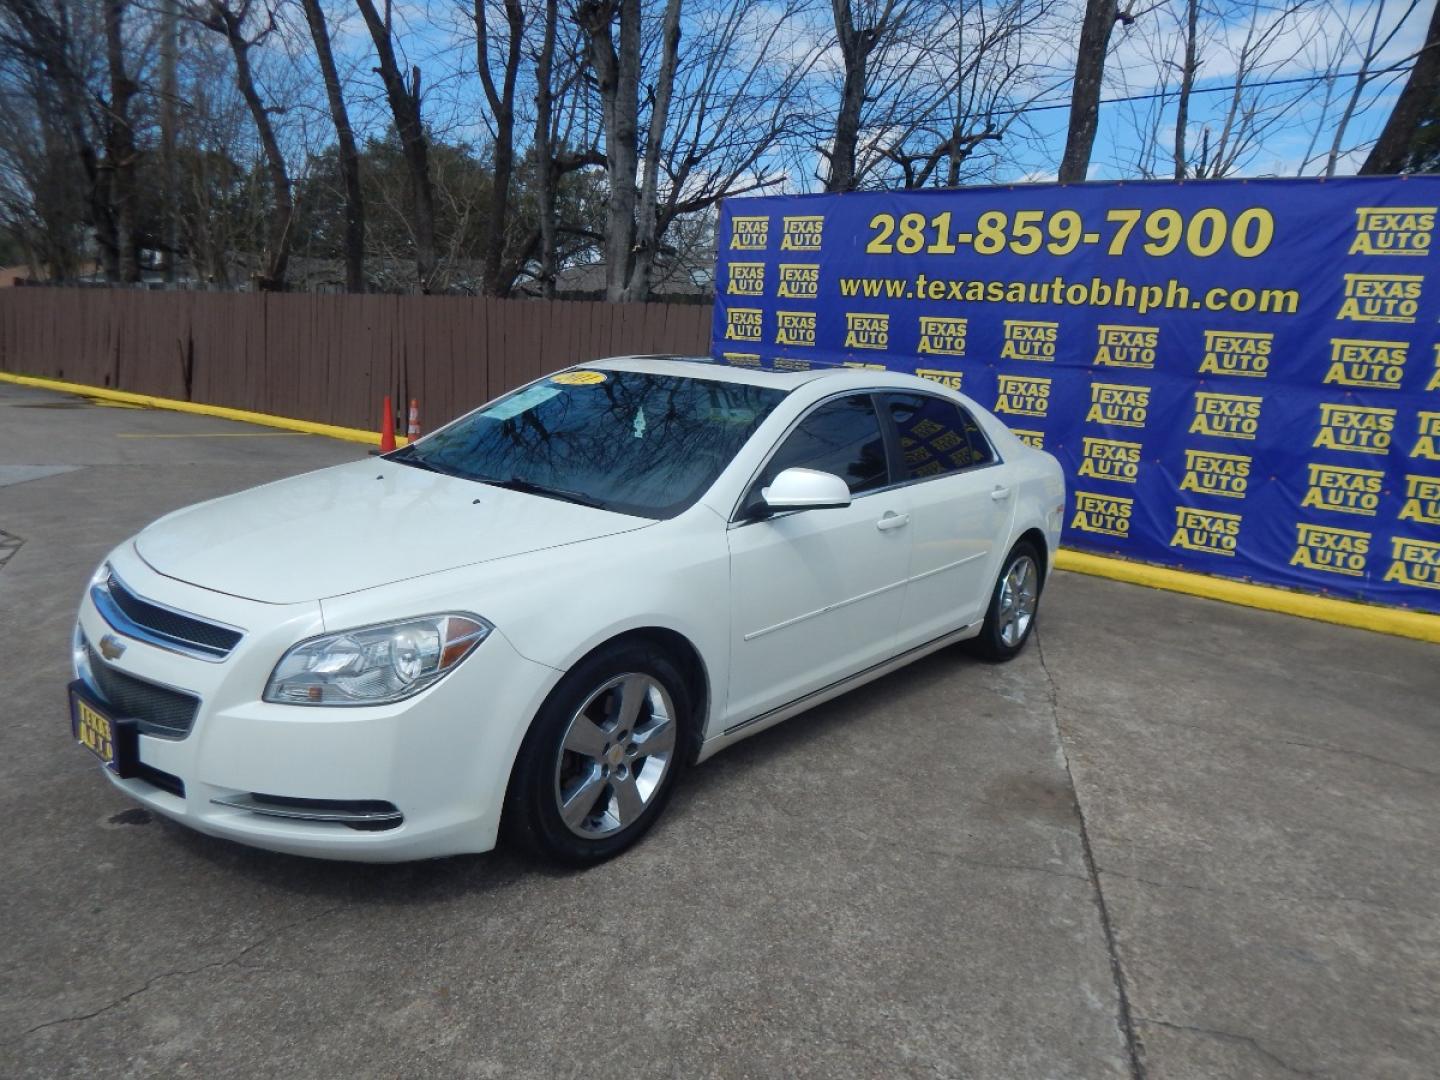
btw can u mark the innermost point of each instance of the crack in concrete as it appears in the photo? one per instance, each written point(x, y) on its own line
point(1124, 1020)
point(9, 545)
point(1361, 754)
point(178, 973)
point(885, 840)
point(1212, 890)
point(1250, 736)
point(844, 841)
point(1230, 1036)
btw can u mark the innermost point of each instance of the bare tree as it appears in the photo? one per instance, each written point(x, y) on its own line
point(631, 230)
point(169, 121)
point(647, 232)
point(924, 84)
point(566, 138)
point(234, 24)
point(1253, 110)
point(501, 100)
point(719, 98)
point(404, 100)
point(858, 41)
point(47, 40)
point(1189, 66)
point(985, 60)
point(120, 142)
point(1095, 30)
point(348, 155)
point(43, 188)
point(1258, 44)
point(545, 174)
point(1392, 149)
point(616, 64)
point(1375, 44)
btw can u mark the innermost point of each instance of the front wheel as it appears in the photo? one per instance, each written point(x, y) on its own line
point(1013, 605)
point(600, 761)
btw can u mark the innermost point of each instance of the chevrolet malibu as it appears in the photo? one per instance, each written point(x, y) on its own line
point(538, 616)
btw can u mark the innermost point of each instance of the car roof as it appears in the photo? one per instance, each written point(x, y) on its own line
point(705, 367)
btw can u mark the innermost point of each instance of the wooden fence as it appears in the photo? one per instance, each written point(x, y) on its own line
point(324, 357)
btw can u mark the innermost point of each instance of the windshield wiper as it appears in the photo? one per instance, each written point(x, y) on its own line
point(530, 487)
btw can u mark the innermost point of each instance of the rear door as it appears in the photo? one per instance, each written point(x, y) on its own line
point(816, 595)
point(961, 508)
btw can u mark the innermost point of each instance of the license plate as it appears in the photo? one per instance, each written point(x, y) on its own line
point(93, 729)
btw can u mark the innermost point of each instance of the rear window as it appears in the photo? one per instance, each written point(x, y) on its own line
point(633, 442)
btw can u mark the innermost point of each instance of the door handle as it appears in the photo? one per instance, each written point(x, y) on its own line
point(891, 520)
point(999, 494)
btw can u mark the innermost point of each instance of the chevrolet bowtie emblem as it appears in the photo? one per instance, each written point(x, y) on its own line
point(111, 647)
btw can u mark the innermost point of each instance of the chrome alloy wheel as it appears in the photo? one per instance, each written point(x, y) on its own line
point(1019, 595)
point(615, 753)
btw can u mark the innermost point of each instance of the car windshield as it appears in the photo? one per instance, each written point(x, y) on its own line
point(633, 442)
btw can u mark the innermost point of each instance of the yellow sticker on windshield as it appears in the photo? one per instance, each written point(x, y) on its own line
point(578, 378)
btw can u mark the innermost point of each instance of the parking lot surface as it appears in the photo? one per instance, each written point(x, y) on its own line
point(1173, 839)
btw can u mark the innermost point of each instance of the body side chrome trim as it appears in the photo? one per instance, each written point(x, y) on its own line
point(850, 682)
point(825, 610)
point(344, 817)
point(863, 596)
point(950, 566)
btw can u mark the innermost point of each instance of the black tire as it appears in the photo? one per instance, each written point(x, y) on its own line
point(533, 818)
point(991, 644)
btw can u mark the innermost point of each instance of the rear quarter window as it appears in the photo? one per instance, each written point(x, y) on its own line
point(936, 436)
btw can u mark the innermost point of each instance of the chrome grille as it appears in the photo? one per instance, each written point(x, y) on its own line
point(160, 711)
point(147, 621)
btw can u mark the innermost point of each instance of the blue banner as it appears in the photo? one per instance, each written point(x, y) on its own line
point(1239, 377)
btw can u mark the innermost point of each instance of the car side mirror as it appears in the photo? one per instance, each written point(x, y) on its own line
point(805, 489)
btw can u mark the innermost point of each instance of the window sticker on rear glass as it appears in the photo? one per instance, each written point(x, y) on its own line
point(578, 378)
point(513, 406)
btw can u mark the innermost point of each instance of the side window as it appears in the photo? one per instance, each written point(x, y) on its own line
point(841, 437)
point(936, 436)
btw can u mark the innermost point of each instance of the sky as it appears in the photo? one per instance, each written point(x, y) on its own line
point(1296, 122)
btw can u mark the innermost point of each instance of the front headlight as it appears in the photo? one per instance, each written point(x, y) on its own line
point(375, 665)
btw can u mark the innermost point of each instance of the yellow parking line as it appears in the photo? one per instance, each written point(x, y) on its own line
point(216, 435)
point(223, 412)
point(1385, 620)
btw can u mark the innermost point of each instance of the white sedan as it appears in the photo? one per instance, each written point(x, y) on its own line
point(539, 615)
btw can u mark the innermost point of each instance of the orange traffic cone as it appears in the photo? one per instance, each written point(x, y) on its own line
point(387, 428)
point(412, 429)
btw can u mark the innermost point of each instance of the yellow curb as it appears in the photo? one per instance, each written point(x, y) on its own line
point(308, 427)
point(1384, 620)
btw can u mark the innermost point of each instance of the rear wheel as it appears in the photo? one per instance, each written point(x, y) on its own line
point(1014, 605)
point(602, 757)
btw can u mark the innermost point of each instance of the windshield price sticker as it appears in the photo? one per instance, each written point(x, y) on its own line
point(579, 378)
point(520, 402)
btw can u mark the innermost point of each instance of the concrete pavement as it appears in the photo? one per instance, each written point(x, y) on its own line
point(1177, 839)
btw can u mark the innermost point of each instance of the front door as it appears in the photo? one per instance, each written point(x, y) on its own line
point(816, 595)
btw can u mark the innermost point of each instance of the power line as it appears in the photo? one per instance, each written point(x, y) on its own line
point(1050, 106)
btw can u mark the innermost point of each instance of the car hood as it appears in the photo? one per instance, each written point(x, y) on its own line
point(356, 526)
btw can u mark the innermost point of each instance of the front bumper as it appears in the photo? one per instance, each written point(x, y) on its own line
point(442, 759)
